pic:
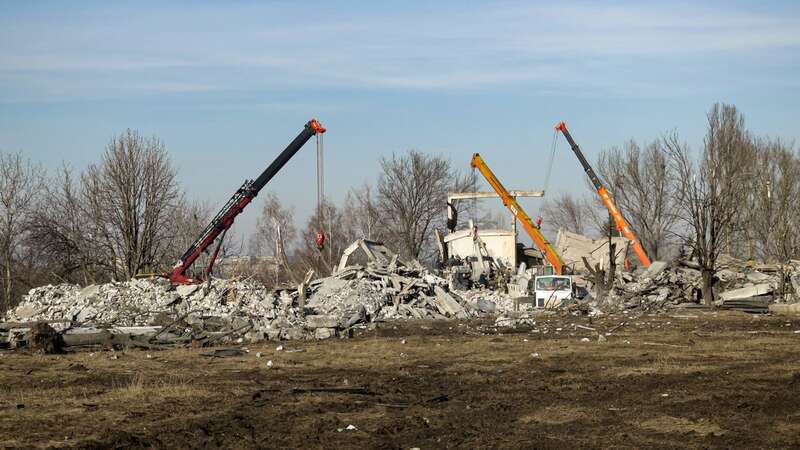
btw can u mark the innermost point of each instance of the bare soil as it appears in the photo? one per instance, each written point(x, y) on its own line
point(687, 379)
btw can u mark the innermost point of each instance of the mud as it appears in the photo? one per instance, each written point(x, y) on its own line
point(689, 379)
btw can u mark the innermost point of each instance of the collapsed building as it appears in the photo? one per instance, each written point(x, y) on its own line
point(371, 284)
point(484, 272)
point(220, 310)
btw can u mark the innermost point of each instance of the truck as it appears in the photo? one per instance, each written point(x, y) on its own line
point(551, 290)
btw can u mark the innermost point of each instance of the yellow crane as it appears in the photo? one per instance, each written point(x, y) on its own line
point(511, 203)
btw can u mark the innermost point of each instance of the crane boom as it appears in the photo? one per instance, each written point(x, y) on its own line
point(220, 224)
point(605, 196)
point(511, 203)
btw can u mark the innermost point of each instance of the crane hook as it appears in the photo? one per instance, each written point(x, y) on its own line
point(320, 240)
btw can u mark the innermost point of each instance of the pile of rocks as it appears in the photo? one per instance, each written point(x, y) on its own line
point(246, 310)
point(679, 284)
point(397, 293)
point(220, 306)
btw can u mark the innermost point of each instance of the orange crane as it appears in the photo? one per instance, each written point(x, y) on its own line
point(511, 203)
point(619, 220)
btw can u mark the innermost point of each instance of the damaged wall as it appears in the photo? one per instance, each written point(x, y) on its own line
point(572, 247)
point(500, 244)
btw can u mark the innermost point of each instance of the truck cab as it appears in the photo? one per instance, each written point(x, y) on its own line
point(551, 290)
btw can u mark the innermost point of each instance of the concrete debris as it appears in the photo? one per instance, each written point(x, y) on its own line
point(246, 311)
point(792, 309)
point(45, 339)
point(655, 269)
point(574, 247)
point(746, 292)
point(664, 286)
point(489, 301)
point(149, 312)
point(319, 321)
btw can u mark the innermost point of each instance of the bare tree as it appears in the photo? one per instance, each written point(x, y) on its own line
point(640, 180)
point(275, 231)
point(568, 213)
point(130, 197)
point(711, 191)
point(770, 222)
point(20, 182)
point(361, 213)
point(60, 233)
point(412, 196)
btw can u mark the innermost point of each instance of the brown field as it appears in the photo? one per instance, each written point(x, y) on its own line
point(687, 379)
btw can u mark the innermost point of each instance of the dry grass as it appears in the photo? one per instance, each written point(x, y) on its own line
point(141, 386)
point(669, 424)
point(437, 389)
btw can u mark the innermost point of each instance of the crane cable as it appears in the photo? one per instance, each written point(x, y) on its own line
point(550, 162)
point(320, 238)
point(474, 213)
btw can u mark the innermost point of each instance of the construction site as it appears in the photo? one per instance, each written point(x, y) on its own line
point(497, 344)
point(505, 292)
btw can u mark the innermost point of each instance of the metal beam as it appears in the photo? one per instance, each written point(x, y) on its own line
point(468, 195)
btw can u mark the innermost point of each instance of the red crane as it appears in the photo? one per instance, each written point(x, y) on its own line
point(222, 222)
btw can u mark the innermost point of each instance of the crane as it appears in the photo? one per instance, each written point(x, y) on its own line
point(605, 196)
point(511, 203)
point(222, 222)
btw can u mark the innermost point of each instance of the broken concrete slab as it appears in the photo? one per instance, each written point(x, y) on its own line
point(448, 305)
point(324, 333)
point(321, 321)
point(574, 247)
point(747, 292)
point(757, 277)
point(656, 267)
point(486, 306)
point(85, 314)
point(792, 309)
point(186, 290)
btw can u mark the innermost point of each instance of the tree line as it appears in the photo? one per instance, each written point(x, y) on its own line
point(126, 214)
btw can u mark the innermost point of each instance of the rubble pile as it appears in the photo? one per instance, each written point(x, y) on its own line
point(246, 310)
point(222, 305)
point(679, 284)
point(489, 301)
point(153, 311)
point(377, 292)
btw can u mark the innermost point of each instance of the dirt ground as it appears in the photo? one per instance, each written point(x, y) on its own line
point(686, 379)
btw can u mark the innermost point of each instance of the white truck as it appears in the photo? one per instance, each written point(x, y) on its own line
point(551, 290)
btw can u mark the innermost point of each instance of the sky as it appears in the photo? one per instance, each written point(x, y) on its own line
point(227, 85)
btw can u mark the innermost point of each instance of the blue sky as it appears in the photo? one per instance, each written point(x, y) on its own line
point(227, 85)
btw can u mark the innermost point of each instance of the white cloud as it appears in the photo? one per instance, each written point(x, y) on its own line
point(220, 47)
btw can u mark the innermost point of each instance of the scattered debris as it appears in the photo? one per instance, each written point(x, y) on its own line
point(147, 313)
point(45, 339)
point(224, 353)
point(664, 286)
